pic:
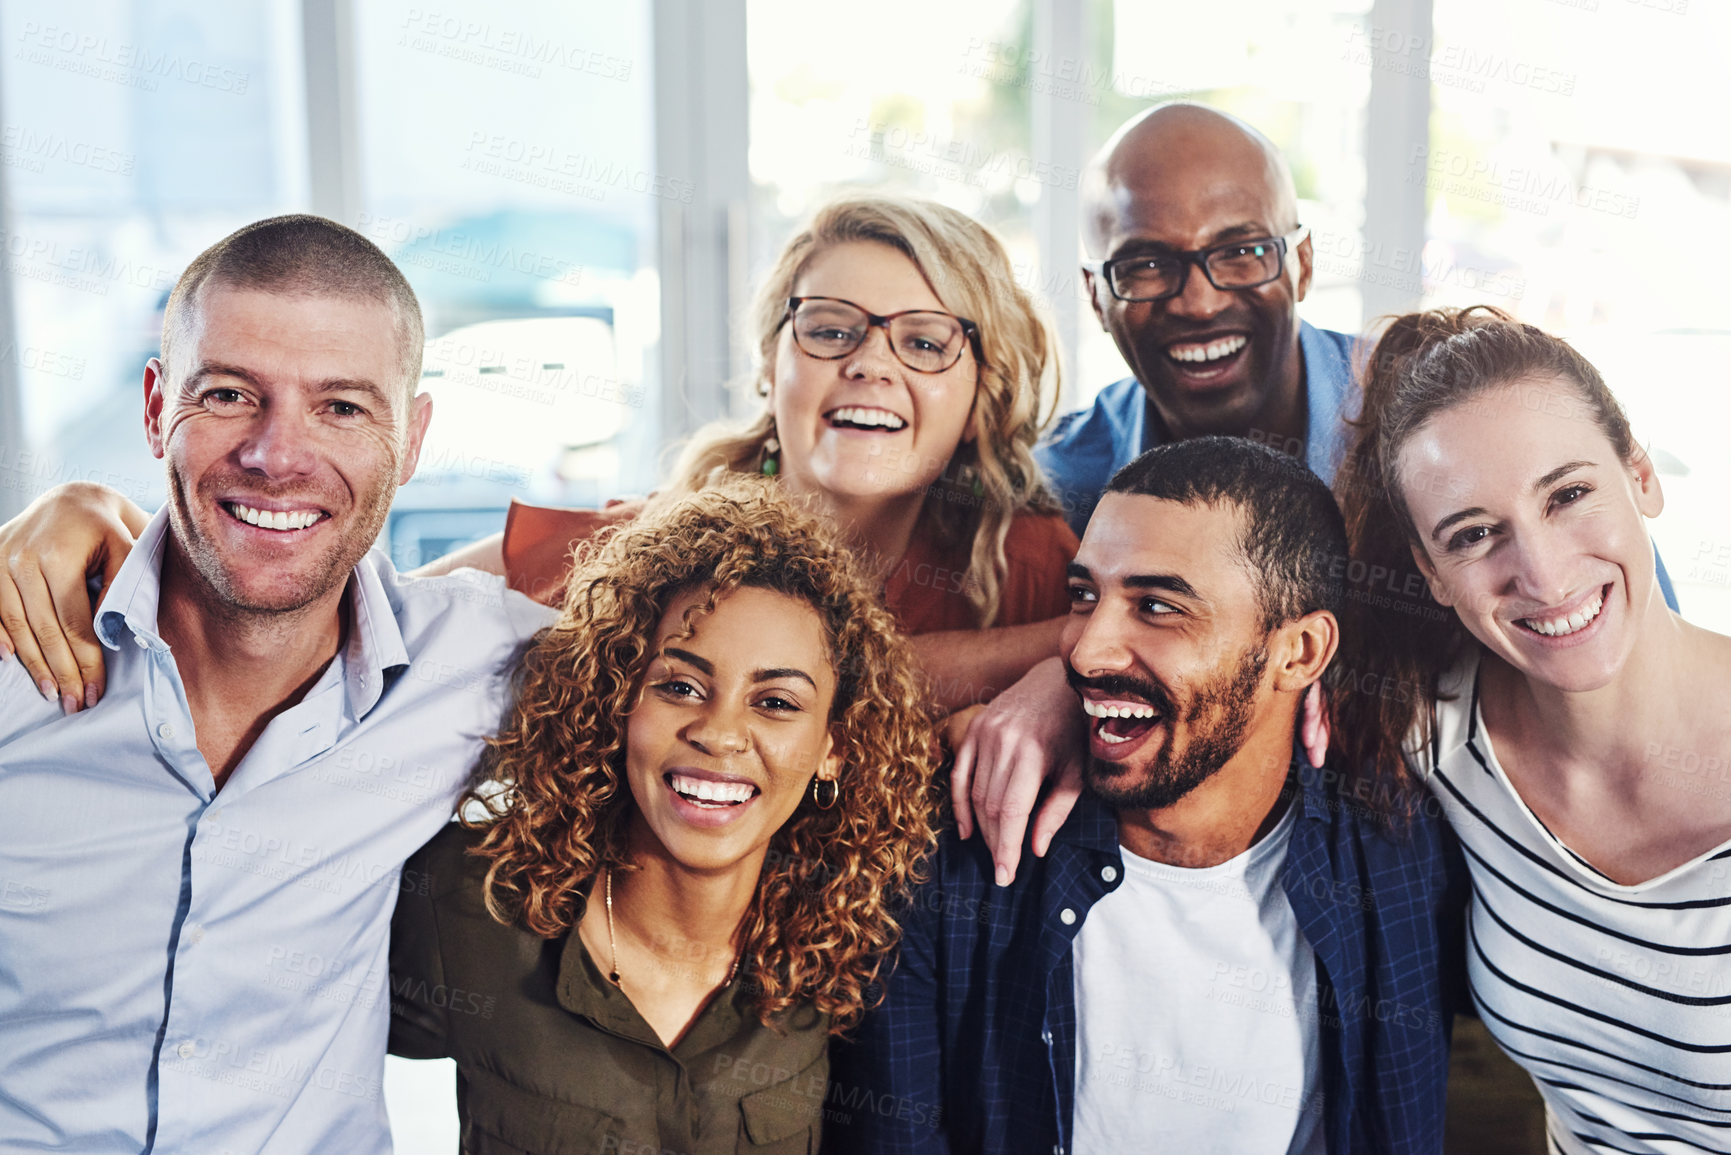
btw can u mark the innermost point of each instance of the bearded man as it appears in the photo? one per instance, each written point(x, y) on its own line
point(1226, 948)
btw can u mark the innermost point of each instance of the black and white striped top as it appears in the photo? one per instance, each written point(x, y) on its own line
point(1616, 999)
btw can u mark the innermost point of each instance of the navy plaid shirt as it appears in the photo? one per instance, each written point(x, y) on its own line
point(974, 1046)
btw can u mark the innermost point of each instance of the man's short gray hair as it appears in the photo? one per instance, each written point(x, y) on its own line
point(306, 256)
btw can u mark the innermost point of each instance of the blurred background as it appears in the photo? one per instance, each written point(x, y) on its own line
point(583, 193)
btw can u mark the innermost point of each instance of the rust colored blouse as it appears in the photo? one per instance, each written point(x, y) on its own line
point(925, 591)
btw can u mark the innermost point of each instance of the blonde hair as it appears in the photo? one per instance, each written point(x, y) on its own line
point(1017, 390)
point(822, 920)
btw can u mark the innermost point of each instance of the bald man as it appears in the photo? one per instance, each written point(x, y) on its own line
point(1197, 262)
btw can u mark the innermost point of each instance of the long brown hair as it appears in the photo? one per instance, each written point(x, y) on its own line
point(1016, 396)
point(557, 804)
point(1396, 642)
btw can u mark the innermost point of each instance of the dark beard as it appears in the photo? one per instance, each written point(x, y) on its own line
point(1215, 723)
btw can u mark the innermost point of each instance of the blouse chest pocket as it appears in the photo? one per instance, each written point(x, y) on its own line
point(504, 1119)
point(786, 1118)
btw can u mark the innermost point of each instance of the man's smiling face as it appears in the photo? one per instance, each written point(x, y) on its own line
point(1212, 360)
point(287, 427)
point(1164, 647)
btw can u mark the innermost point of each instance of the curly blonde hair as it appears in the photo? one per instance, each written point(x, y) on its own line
point(820, 923)
point(1015, 398)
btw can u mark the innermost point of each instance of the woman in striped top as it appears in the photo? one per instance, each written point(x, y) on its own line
point(1576, 731)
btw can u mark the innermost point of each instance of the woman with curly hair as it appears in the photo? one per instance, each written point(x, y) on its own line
point(677, 882)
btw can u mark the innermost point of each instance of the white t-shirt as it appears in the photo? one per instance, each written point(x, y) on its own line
point(1196, 1012)
point(1616, 999)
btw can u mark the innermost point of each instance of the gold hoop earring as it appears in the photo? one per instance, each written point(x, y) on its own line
point(817, 799)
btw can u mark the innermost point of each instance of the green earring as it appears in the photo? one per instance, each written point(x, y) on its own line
point(771, 463)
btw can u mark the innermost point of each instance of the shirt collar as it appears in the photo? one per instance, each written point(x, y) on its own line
point(129, 606)
point(1327, 381)
point(375, 651)
point(1137, 429)
point(1313, 785)
point(584, 990)
point(1091, 826)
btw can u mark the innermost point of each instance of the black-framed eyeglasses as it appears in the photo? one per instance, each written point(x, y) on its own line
point(925, 340)
point(1234, 265)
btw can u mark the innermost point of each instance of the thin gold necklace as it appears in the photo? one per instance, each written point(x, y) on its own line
point(613, 946)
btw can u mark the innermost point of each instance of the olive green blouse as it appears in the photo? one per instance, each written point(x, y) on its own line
point(553, 1059)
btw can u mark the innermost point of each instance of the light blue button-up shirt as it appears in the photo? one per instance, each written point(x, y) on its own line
point(183, 970)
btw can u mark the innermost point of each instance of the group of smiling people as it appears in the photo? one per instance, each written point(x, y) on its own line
point(712, 884)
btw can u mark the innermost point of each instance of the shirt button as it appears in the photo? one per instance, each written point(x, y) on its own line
point(142, 643)
point(197, 935)
point(1109, 873)
point(1046, 1035)
point(186, 1050)
point(165, 732)
point(1067, 917)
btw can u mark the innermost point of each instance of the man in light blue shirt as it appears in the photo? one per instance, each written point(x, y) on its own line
point(1197, 262)
point(199, 871)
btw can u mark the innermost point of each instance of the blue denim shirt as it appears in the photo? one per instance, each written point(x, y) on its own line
point(974, 1046)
